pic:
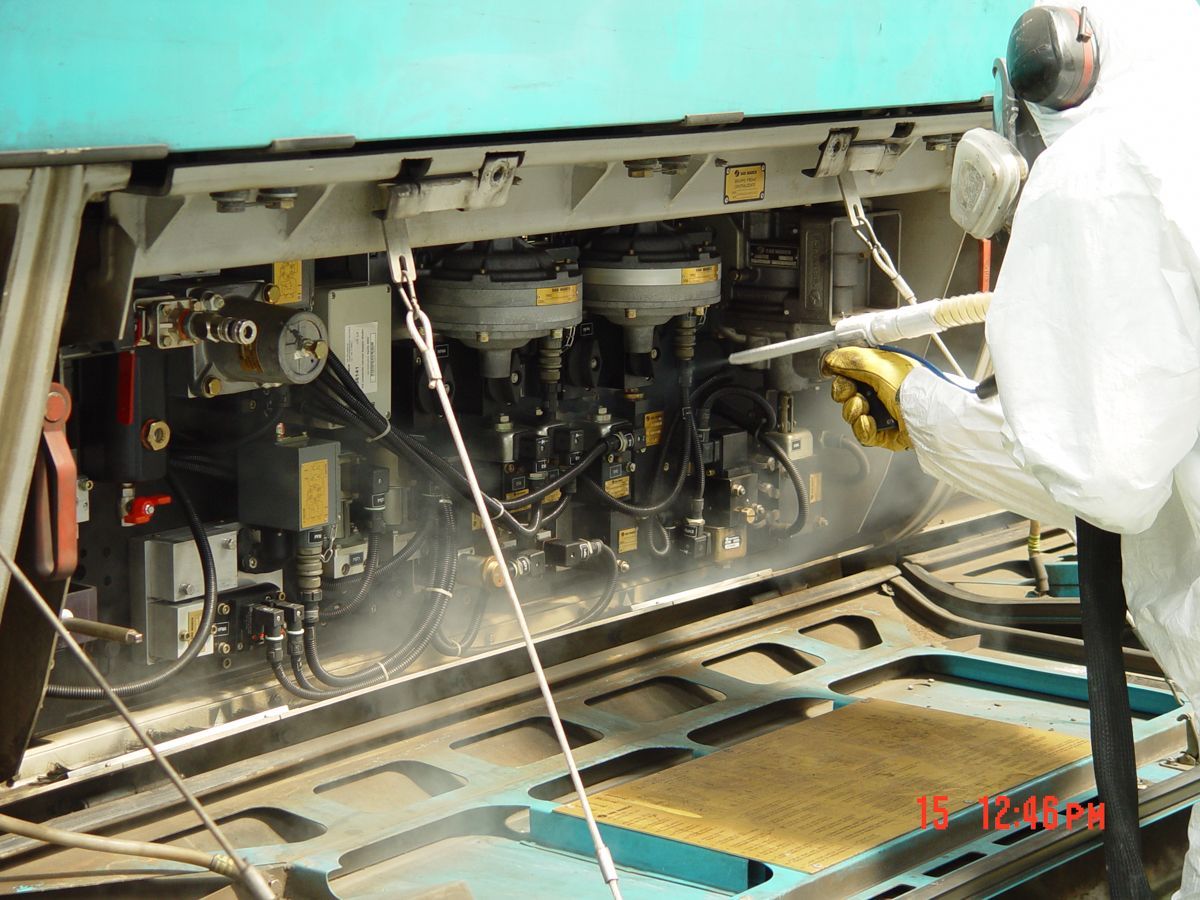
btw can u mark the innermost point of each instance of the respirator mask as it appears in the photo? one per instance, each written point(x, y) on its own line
point(1053, 62)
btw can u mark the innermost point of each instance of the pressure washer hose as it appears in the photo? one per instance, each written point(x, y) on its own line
point(1102, 609)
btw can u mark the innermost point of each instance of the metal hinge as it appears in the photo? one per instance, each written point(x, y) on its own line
point(485, 188)
point(841, 153)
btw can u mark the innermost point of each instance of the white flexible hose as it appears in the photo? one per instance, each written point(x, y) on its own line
point(216, 862)
point(253, 880)
point(421, 330)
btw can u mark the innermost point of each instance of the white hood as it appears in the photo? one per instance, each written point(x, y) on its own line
point(1149, 56)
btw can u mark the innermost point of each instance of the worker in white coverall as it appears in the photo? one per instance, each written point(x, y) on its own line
point(1094, 329)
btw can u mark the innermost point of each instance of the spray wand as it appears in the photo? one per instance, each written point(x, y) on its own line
point(883, 327)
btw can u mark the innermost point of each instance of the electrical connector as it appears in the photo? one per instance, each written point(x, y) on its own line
point(568, 554)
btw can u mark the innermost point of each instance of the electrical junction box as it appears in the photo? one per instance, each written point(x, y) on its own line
point(166, 566)
point(290, 484)
point(359, 319)
point(170, 627)
point(167, 586)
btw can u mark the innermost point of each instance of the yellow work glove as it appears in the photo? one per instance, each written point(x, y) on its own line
point(881, 371)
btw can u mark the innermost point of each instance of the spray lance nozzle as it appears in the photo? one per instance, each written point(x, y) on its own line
point(884, 327)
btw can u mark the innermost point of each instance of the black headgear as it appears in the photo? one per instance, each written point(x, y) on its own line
point(1053, 59)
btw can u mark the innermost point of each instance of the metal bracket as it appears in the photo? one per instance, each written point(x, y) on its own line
point(472, 190)
point(841, 153)
point(484, 189)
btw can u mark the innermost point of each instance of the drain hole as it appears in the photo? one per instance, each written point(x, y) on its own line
point(612, 772)
point(656, 699)
point(260, 827)
point(763, 663)
point(758, 721)
point(523, 743)
point(957, 863)
point(385, 788)
point(1013, 836)
point(897, 890)
point(851, 632)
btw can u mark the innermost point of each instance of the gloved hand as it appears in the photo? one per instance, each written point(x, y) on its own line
point(883, 372)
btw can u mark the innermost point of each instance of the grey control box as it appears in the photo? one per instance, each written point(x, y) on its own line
point(359, 318)
point(168, 585)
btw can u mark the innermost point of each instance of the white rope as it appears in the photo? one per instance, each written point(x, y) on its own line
point(421, 330)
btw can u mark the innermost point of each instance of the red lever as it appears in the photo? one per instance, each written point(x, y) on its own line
point(141, 509)
point(55, 532)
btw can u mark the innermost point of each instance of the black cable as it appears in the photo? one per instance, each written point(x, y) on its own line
point(203, 632)
point(445, 571)
point(724, 393)
point(450, 647)
point(370, 571)
point(657, 525)
point(778, 451)
point(304, 693)
point(361, 413)
point(610, 586)
point(1103, 608)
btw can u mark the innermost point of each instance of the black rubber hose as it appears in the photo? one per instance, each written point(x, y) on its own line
point(451, 647)
point(370, 571)
point(851, 446)
point(795, 477)
point(445, 571)
point(700, 484)
point(755, 398)
point(655, 507)
point(1103, 609)
point(789, 467)
point(203, 632)
point(300, 690)
point(346, 389)
point(610, 586)
point(657, 525)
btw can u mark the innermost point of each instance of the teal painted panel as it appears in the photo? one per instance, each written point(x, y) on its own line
point(240, 73)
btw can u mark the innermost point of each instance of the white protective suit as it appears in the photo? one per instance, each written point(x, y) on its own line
point(1095, 333)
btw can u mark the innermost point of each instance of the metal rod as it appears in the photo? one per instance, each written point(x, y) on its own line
point(250, 876)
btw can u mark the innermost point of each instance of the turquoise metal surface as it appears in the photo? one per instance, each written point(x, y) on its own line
point(243, 73)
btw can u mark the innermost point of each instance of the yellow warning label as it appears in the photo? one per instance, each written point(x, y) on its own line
point(314, 493)
point(652, 422)
point(745, 183)
point(617, 487)
point(814, 487)
point(288, 275)
point(699, 274)
point(553, 296)
point(552, 498)
point(249, 355)
point(516, 495)
point(626, 540)
point(193, 624)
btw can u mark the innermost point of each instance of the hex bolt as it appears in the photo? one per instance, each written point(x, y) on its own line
point(156, 434)
point(631, 467)
point(224, 609)
point(223, 648)
point(212, 386)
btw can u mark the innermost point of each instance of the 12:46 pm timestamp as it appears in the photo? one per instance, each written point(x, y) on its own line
point(1000, 813)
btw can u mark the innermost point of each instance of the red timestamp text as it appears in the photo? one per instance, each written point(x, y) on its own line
point(1000, 813)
